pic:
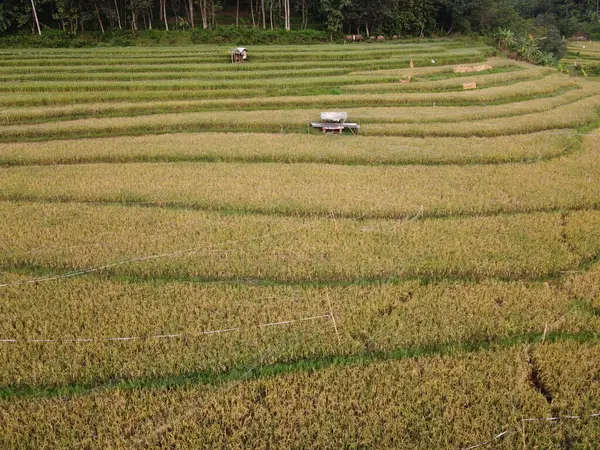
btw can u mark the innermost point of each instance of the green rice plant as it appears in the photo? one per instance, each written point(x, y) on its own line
point(207, 49)
point(186, 85)
point(581, 58)
point(162, 76)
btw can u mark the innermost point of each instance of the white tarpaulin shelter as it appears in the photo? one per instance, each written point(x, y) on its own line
point(339, 117)
point(335, 122)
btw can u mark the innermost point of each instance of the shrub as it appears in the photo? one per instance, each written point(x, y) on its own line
point(49, 39)
point(248, 36)
point(553, 43)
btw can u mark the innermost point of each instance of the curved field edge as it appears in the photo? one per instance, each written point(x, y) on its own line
point(313, 96)
point(383, 113)
point(292, 190)
point(531, 246)
point(453, 349)
point(572, 115)
point(410, 317)
point(265, 148)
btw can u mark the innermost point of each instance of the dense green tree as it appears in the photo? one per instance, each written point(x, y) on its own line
point(369, 17)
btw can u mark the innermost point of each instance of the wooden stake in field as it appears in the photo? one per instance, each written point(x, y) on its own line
point(333, 320)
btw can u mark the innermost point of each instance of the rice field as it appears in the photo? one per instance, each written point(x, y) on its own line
point(185, 263)
point(583, 58)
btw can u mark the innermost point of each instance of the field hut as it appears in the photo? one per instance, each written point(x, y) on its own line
point(238, 54)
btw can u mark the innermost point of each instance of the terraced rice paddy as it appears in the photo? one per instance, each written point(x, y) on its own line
point(584, 55)
point(185, 263)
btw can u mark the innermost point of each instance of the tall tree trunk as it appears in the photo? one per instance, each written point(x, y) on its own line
point(163, 13)
point(35, 18)
point(99, 18)
point(271, 14)
point(204, 11)
point(264, 13)
point(118, 15)
point(237, 15)
point(304, 15)
point(191, 13)
point(214, 16)
point(134, 18)
point(252, 12)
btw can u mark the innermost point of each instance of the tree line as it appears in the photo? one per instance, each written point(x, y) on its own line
point(368, 17)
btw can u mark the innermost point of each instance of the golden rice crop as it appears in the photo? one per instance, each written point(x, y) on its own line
point(227, 73)
point(187, 85)
point(584, 286)
point(366, 64)
point(402, 114)
point(448, 402)
point(475, 255)
point(526, 90)
point(254, 247)
point(376, 318)
point(348, 82)
point(571, 115)
point(570, 375)
point(156, 80)
point(438, 69)
point(308, 189)
point(452, 84)
point(289, 149)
